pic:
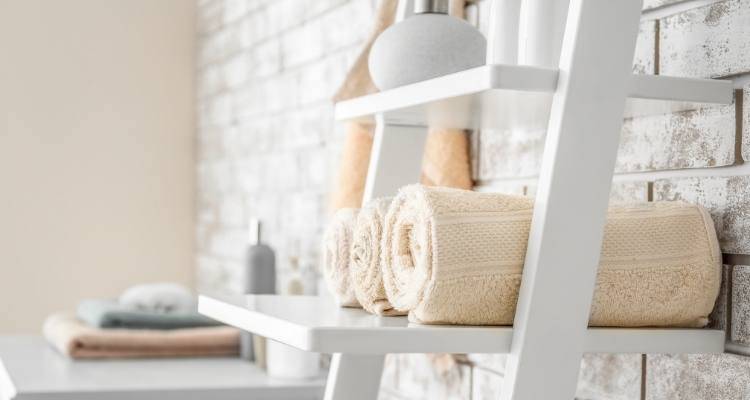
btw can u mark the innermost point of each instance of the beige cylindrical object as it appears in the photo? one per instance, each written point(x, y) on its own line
point(446, 161)
point(456, 257)
point(355, 160)
point(259, 351)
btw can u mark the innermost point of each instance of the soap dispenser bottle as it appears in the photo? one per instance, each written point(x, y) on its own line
point(259, 278)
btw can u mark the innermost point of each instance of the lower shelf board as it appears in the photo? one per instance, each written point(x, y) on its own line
point(316, 324)
point(30, 369)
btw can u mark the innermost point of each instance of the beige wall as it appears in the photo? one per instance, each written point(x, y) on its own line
point(96, 151)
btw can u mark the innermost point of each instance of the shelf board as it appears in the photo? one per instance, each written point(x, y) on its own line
point(316, 324)
point(518, 97)
point(30, 369)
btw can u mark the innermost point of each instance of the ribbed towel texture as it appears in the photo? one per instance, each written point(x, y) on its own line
point(366, 268)
point(75, 339)
point(456, 257)
point(337, 242)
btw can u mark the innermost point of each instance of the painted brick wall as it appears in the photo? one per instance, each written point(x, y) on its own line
point(267, 147)
point(267, 144)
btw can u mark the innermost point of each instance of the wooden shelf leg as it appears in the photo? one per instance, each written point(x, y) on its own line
point(395, 159)
point(354, 377)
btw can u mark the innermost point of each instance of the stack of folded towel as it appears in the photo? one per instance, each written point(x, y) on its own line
point(158, 320)
point(448, 256)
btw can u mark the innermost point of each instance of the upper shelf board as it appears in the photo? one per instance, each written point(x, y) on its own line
point(518, 97)
point(316, 324)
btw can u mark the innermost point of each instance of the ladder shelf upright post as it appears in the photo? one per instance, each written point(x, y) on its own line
point(567, 228)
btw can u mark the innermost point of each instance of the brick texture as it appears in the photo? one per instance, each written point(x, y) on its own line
point(726, 198)
point(745, 123)
point(265, 72)
point(419, 379)
point(644, 61)
point(719, 318)
point(691, 139)
point(709, 41)
point(610, 376)
point(650, 4)
point(741, 304)
point(698, 377)
point(486, 384)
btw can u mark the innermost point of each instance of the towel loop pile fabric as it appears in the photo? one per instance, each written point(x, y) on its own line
point(365, 260)
point(450, 256)
point(337, 242)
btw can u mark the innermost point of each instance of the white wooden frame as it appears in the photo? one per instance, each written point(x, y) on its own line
point(567, 227)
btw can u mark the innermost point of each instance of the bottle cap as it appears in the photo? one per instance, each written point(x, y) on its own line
point(431, 6)
point(254, 231)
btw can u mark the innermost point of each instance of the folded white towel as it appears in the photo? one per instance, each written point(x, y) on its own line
point(159, 298)
point(336, 261)
point(366, 262)
point(454, 256)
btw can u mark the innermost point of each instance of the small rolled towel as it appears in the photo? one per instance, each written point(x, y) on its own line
point(456, 257)
point(366, 267)
point(337, 242)
point(75, 339)
point(111, 314)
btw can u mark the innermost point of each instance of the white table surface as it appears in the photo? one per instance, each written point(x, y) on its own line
point(31, 370)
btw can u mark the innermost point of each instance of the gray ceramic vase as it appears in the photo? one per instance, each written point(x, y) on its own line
point(425, 46)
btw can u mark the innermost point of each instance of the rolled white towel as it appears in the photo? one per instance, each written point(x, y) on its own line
point(456, 257)
point(337, 242)
point(366, 261)
point(164, 298)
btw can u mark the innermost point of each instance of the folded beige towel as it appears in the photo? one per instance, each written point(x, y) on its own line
point(454, 256)
point(366, 267)
point(77, 340)
point(337, 243)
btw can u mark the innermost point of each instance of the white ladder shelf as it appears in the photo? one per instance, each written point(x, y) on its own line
point(581, 104)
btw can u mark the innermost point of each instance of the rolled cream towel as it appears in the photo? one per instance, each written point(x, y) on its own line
point(337, 242)
point(366, 263)
point(456, 257)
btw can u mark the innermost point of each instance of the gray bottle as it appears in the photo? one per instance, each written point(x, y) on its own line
point(260, 277)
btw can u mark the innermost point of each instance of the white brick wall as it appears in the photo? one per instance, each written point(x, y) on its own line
point(266, 72)
point(268, 147)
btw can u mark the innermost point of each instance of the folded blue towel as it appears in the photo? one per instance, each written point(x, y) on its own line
point(111, 314)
